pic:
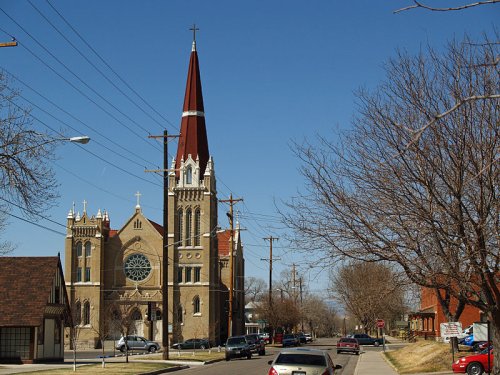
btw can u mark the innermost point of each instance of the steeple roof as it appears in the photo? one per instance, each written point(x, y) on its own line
point(193, 136)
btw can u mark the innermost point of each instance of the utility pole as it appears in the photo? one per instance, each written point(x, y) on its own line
point(164, 285)
point(231, 202)
point(270, 239)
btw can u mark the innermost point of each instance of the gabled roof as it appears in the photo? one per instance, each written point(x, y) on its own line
point(157, 226)
point(25, 287)
point(193, 136)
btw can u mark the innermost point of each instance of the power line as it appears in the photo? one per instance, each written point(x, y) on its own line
point(92, 64)
point(110, 68)
point(81, 80)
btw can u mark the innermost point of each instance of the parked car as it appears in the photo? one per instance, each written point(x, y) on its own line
point(237, 347)
point(308, 337)
point(348, 344)
point(303, 361)
point(265, 336)
point(475, 364)
point(289, 339)
point(133, 342)
point(257, 345)
point(302, 338)
point(192, 344)
point(364, 339)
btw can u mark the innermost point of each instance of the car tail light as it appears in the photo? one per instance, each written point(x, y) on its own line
point(272, 371)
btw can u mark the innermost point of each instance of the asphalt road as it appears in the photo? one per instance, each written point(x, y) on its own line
point(258, 365)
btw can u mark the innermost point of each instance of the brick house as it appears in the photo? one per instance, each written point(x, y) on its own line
point(426, 322)
point(34, 309)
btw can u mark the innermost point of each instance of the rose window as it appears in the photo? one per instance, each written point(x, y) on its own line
point(137, 267)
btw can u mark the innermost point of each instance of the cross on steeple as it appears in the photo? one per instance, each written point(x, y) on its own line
point(138, 195)
point(194, 29)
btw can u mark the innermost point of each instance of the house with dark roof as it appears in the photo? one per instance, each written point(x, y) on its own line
point(34, 309)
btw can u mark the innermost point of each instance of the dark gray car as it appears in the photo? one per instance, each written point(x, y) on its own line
point(137, 343)
point(237, 347)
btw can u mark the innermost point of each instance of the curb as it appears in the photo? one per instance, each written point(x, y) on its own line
point(164, 371)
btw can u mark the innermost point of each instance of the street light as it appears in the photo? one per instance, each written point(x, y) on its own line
point(83, 139)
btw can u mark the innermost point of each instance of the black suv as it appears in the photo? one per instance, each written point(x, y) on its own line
point(257, 345)
point(237, 347)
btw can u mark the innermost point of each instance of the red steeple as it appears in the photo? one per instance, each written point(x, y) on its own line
point(193, 136)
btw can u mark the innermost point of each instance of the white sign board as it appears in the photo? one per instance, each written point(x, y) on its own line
point(480, 332)
point(450, 329)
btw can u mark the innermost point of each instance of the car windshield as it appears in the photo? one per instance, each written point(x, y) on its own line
point(301, 359)
point(236, 341)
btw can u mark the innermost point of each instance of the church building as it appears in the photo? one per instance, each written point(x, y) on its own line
point(114, 276)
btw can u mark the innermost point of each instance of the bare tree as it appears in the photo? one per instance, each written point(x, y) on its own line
point(26, 179)
point(5, 246)
point(254, 288)
point(427, 201)
point(122, 320)
point(369, 291)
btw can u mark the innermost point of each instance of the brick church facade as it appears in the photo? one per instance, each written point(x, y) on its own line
point(115, 276)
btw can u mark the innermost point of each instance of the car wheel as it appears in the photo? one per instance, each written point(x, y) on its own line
point(357, 353)
point(202, 347)
point(122, 348)
point(262, 352)
point(152, 349)
point(338, 351)
point(376, 343)
point(227, 358)
point(474, 368)
point(249, 355)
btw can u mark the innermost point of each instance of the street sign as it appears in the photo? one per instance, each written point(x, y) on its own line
point(450, 329)
point(380, 323)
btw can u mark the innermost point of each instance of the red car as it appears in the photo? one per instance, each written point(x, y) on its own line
point(348, 344)
point(473, 364)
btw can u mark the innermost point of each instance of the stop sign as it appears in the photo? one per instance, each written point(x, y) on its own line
point(380, 323)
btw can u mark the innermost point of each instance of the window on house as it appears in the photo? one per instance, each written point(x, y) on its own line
point(189, 175)
point(197, 274)
point(79, 274)
point(196, 305)
point(179, 274)
point(197, 227)
point(78, 249)
point(188, 228)
point(87, 273)
point(137, 224)
point(86, 313)
point(78, 313)
point(187, 274)
point(88, 250)
point(180, 220)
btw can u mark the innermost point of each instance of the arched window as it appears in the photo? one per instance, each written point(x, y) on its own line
point(196, 305)
point(78, 249)
point(189, 175)
point(88, 250)
point(136, 315)
point(188, 227)
point(197, 227)
point(86, 313)
point(181, 221)
point(78, 313)
point(179, 314)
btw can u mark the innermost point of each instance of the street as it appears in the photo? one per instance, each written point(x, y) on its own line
point(256, 366)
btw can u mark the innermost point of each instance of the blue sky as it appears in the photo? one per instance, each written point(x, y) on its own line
point(272, 72)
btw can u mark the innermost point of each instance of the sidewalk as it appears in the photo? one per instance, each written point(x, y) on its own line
point(373, 363)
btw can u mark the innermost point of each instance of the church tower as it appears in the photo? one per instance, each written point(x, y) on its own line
point(194, 279)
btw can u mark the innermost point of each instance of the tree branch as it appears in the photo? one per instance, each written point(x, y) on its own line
point(465, 6)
